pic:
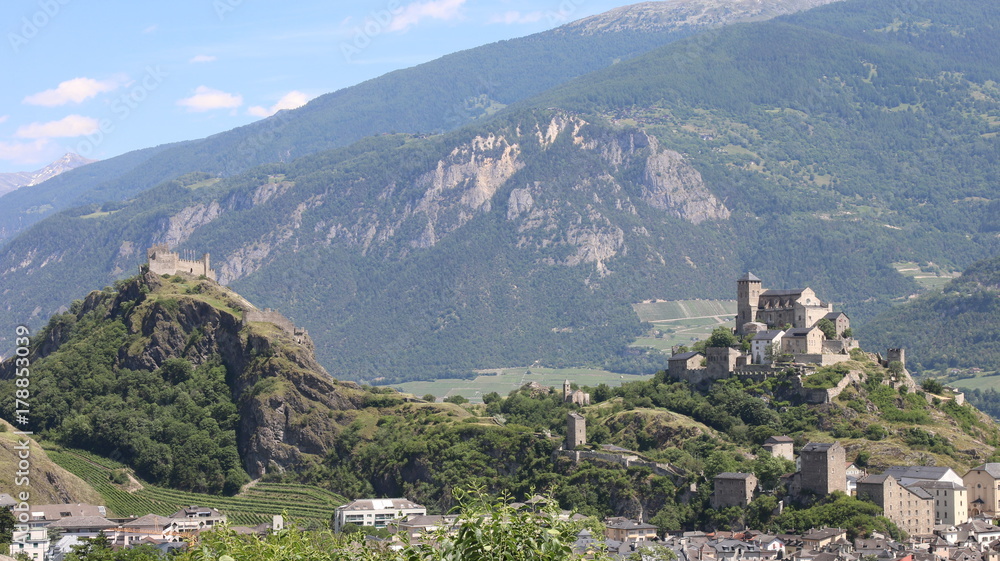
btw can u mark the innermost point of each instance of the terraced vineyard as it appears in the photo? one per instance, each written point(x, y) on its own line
point(305, 504)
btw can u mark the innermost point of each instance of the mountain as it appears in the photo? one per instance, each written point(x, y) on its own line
point(813, 149)
point(222, 396)
point(958, 327)
point(681, 14)
point(13, 181)
point(440, 95)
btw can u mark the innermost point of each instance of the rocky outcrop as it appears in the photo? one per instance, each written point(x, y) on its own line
point(288, 404)
point(673, 185)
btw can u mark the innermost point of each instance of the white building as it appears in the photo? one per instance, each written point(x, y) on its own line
point(761, 342)
point(951, 505)
point(33, 542)
point(375, 512)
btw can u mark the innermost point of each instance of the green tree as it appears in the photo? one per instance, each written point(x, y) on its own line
point(721, 337)
point(828, 328)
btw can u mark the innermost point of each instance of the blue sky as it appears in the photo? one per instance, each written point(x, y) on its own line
point(103, 78)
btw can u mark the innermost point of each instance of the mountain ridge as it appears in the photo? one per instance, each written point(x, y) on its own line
point(10, 182)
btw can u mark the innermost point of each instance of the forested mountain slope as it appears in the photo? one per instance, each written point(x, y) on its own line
point(437, 96)
point(958, 327)
point(814, 149)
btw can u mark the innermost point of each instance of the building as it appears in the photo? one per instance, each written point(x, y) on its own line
point(908, 475)
point(823, 468)
point(951, 505)
point(375, 512)
point(162, 261)
point(983, 485)
point(625, 530)
point(679, 364)
point(803, 341)
point(733, 489)
point(194, 518)
point(765, 346)
point(43, 515)
point(578, 397)
point(33, 542)
point(776, 308)
point(814, 540)
point(576, 430)
point(840, 321)
point(780, 447)
point(720, 362)
point(912, 509)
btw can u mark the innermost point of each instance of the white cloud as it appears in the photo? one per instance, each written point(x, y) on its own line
point(514, 16)
point(26, 153)
point(3, 118)
point(207, 99)
point(202, 58)
point(73, 125)
point(151, 29)
point(291, 100)
point(76, 90)
point(414, 12)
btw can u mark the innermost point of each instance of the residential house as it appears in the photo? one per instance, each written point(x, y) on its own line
point(375, 512)
point(626, 530)
point(911, 508)
point(733, 489)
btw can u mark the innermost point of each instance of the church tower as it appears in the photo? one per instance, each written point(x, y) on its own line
point(748, 289)
point(567, 390)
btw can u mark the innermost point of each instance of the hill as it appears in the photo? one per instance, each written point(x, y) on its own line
point(437, 96)
point(220, 395)
point(14, 181)
point(49, 482)
point(952, 329)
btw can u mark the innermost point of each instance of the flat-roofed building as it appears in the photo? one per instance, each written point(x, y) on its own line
point(375, 512)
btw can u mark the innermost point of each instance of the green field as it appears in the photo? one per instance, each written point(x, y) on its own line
point(308, 505)
point(978, 383)
point(672, 310)
point(505, 380)
point(682, 322)
point(929, 277)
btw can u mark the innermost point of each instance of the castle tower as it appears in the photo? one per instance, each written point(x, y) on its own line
point(748, 289)
point(567, 390)
point(896, 355)
point(823, 468)
point(576, 430)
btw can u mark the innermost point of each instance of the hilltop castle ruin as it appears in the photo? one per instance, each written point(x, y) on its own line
point(162, 261)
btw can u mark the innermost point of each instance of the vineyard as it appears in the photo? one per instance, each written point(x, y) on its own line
point(305, 504)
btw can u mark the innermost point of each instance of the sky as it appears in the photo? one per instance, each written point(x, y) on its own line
point(104, 78)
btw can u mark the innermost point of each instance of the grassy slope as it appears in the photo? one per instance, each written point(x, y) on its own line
point(50, 483)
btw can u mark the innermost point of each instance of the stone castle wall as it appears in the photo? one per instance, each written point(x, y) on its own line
point(162, 261)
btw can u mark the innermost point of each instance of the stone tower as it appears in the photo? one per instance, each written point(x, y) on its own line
point(748, 289)
point(567, 390)
point(576, 430)
point(824, 469)
point(896, 354)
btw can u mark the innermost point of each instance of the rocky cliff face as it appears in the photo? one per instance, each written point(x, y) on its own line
point(687, 14)
point(473, 179)
point(287, 402)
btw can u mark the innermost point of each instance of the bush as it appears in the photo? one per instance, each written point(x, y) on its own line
point(456, 399)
